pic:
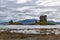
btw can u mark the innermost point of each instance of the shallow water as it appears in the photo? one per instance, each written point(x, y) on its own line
point(28, 26)
point(25, 27)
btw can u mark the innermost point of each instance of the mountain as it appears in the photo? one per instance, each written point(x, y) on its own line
point(28, 21)
point(31, 21)
point(57, 23)
point(24, 22)
point(4, 23)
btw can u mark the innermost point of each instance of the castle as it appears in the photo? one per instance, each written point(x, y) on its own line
point(43, 18)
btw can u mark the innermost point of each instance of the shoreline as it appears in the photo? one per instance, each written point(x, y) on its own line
point(15, 35)
point(20, 36)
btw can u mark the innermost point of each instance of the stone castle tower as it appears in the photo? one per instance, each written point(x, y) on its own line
point(43, 18)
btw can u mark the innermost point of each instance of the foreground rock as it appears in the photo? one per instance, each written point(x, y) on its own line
point(20, 36)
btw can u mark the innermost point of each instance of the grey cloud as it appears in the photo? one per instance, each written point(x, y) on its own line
point(28, 3)
point(9, 9)
point(46, 7)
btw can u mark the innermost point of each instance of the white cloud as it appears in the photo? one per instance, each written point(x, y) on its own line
point(48, 2)
point(22, 9)
point(28, 9)
point(22, 1)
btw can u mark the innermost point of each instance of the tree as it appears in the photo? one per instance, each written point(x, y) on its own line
point(11, 22)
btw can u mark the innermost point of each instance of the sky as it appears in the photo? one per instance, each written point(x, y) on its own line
point(29, 9)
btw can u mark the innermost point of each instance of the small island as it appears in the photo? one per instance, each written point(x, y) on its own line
point(42, 21)
point(14, 23)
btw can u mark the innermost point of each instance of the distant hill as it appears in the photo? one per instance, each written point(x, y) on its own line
point(57, 23)
point(24, 22)
point(30, 21)
point(4, 23)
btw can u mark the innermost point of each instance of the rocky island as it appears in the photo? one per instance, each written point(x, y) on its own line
point(42, 21)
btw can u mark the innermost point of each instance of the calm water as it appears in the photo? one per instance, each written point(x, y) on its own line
point(25, 27)
point(28, 26)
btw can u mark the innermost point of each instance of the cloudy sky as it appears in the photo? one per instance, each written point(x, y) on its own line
point(29, 9)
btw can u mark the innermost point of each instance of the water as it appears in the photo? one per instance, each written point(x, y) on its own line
point(25, 27)
point(28, 26)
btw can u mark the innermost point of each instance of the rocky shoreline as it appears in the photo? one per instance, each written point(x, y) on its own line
point(21, 36)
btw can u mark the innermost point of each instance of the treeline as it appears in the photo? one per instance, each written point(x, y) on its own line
point(14, 23)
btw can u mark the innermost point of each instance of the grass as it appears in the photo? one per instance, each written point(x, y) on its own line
point(44, 23)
